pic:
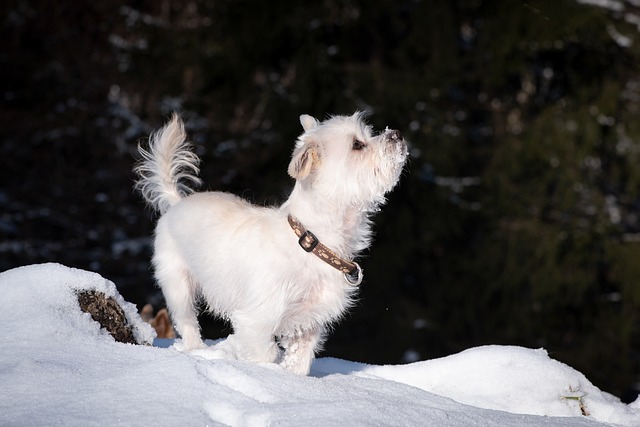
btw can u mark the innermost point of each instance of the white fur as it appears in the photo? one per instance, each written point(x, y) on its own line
point(245, 261)
point(168, 162)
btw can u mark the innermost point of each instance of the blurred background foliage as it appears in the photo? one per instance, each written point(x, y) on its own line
point(516, 221)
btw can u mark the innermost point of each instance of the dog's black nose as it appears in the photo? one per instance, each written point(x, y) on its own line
point(395, 135)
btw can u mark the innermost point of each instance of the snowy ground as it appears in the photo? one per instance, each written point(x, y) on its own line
point(57, 367)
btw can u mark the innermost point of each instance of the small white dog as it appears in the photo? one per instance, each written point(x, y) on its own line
point(280, 275)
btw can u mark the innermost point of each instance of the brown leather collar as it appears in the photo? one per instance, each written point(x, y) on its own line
point(310, 243)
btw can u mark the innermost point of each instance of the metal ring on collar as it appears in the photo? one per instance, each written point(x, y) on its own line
point(354, 278)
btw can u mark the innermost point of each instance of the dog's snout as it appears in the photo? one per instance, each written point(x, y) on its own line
point(394, 135)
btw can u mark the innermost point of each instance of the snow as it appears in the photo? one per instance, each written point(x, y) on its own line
point(57, 367)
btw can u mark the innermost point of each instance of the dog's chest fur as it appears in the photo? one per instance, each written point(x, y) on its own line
point(323, 301)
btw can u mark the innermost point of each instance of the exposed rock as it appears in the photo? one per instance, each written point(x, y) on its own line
point(106, 311)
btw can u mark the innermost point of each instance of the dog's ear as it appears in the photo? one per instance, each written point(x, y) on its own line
point(308, 122)
point(304, 160)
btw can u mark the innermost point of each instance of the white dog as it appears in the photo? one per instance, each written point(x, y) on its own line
point(280, 275)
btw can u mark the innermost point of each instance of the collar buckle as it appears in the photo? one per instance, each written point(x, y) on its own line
point(308, 241)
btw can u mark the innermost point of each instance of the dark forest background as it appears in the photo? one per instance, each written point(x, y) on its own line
point(516, 221)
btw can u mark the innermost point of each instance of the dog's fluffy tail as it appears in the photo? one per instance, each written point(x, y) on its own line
point(167, 166)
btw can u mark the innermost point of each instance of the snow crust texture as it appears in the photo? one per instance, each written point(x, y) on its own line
point(57, 367)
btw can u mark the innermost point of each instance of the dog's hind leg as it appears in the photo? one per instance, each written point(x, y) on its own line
point(180, 292)
point(300, 349)
point(180, 296)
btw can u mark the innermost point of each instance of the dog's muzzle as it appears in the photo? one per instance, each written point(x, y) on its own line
point(393, 135)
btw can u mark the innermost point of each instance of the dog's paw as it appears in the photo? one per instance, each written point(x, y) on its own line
point(296, 364)
point(178, 345)
point(221, 349)
point(181, 346)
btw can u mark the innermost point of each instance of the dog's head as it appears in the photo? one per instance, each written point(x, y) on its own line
point(342, 159)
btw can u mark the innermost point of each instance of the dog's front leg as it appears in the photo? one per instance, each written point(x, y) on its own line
point(252, 338)
point(299, 350)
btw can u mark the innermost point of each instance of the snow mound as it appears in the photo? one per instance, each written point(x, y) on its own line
point(57, 367)
point(505, 378)
point(46, 295)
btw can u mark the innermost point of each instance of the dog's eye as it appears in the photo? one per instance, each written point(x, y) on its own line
point(358, 145)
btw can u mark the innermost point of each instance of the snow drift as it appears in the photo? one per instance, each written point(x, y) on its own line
point(57, 367)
